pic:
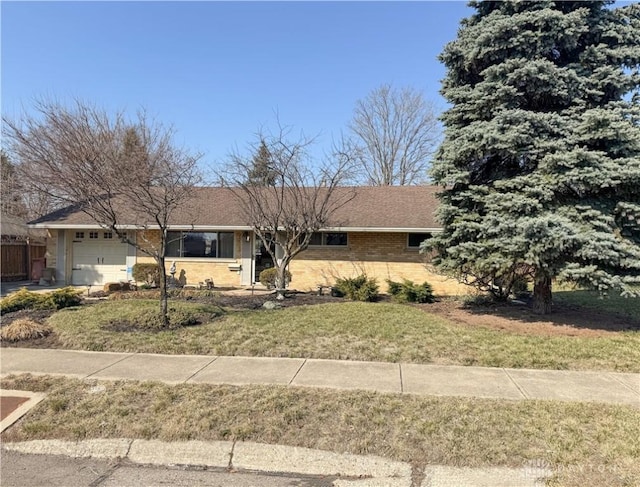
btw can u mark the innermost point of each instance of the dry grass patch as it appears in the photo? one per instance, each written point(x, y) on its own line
point(128, 326)
point(24, 329)
point(353, 331)
point(572, 438)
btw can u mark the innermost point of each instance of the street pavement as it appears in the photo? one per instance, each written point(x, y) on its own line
point(32, 470)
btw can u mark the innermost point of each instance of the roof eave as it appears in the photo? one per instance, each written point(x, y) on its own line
point(70, 226)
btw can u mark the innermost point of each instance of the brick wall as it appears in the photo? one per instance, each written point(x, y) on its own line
point(380, 255)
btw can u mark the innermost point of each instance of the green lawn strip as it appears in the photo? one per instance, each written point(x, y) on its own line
point(572, 437)
point(353, 331)
point(591, 299)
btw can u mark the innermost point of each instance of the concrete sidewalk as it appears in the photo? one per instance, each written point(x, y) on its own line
point(426, 380)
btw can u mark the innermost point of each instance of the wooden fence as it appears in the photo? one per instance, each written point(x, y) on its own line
point(20, 259)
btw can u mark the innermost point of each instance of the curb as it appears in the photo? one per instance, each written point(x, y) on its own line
point(373, 470)
point(351, 470)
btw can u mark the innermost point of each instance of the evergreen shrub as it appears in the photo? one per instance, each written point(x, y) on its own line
point(25, 299)
point(408, 292)
point(268, 277)
point(66, 297)
point(360, 288)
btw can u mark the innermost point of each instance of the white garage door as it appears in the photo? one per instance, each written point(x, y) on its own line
point(98, 257)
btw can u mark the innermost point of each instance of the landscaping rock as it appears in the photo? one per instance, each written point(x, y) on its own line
point(271, 305)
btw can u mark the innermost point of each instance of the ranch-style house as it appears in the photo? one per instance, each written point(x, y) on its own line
point(378, 232)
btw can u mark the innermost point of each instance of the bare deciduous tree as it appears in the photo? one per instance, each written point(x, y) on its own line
point(300, 199)
point(394, 133)
point(11, 203)
point(118, 172)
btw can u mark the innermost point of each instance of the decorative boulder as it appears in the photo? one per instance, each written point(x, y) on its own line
point(271, 305)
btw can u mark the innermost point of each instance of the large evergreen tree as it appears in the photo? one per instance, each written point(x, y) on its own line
point(541, 157)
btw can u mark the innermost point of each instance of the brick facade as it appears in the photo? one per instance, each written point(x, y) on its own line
point(383, 255)
point(380, 255)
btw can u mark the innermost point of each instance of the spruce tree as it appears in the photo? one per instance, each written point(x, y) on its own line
point(541, 158)
point(262, 172)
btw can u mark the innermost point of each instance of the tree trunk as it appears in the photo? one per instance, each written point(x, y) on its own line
point(164, 306)
point(281, 282)
point(542, 301)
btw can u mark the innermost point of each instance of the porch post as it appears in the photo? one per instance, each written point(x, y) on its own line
point(246, 258)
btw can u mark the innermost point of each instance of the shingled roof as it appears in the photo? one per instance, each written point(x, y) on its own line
point(374, 208)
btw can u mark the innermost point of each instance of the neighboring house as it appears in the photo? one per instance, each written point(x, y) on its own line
point(378, 232)
point(22, 250)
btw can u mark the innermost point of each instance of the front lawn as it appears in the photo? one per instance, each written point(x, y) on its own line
point(346, 330)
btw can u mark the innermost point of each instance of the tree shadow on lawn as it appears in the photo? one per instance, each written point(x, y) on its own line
point(566, 319)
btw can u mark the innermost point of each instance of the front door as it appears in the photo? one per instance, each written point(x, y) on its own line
point(262, 257)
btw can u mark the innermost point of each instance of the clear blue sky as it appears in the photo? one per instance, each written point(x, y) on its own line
point(217, 71)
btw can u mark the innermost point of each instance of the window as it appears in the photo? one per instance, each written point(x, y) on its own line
point(79, 235)
point(329, 239)
point(200, 244)
point(93, 234)
point(415, 239)
point(107, 235)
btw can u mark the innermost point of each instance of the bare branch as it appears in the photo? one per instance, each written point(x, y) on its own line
point(299, 198)
point(395, 133)
point(116, 171)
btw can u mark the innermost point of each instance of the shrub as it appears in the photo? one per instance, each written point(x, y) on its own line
point(408, 292)
point(66, 297)
point(268, 277)
point(23, 329)
point(147, 273)
point(24, 299)
point(360, 288)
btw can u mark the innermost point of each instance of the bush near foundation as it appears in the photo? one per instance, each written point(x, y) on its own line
point(360, 288)
point(147, 273)
point(268, 277)
point(408, 292)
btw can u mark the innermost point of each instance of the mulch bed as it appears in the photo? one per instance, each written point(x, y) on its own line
point(37, 315)
point(566, 319)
